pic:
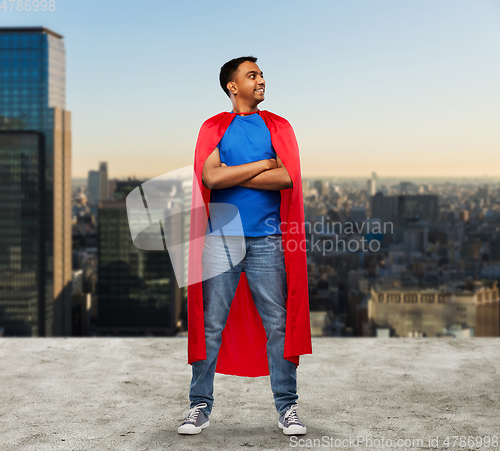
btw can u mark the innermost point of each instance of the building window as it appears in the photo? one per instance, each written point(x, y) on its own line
point(381, 297)
point(393, 298)
point(411, 298)
point(428, 298)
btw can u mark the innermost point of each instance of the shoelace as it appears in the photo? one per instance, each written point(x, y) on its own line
point(291, 416)
point(193, 414)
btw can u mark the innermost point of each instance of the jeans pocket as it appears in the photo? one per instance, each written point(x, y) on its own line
point(273, 246)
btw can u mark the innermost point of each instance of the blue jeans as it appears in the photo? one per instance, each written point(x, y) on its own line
point(264, 265)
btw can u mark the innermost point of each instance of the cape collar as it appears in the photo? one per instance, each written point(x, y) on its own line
point(232, 113)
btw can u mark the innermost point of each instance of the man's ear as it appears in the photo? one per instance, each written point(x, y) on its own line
point(232, 88)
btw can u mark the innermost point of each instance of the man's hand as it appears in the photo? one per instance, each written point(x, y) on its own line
point(274, 179)
point(274, 163)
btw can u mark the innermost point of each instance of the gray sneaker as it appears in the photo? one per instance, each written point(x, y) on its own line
point(290, 423)
point(195, 421)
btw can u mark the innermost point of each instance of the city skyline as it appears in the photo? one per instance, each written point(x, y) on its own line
point(400, 89)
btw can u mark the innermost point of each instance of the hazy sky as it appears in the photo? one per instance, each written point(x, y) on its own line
point(402, 88)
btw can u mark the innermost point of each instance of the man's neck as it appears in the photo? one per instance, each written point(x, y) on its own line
point(244, 109)
point(245, 112)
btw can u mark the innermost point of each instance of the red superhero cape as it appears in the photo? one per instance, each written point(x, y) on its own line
point(243, 349)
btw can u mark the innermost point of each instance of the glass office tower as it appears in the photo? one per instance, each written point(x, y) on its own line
point(137, 289)
point(35, 184)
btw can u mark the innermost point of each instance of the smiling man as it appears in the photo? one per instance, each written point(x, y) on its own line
point(249, 317)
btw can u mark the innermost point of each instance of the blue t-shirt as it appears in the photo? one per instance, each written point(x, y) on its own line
point(247, 139)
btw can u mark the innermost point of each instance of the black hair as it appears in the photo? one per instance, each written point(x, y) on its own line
point(228, 70)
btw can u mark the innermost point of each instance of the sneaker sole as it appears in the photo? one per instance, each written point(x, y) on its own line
point(293, 430)
point(192, 430)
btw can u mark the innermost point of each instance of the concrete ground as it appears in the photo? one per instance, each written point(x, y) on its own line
point(132, 393)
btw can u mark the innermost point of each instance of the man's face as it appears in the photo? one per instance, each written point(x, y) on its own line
point(249, 83)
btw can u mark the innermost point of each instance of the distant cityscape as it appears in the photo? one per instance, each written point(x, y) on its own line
point(386, 257)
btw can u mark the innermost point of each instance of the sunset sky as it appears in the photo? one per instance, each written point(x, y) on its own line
point(402, 88)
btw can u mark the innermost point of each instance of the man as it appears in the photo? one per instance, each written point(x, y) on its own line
point(250, 314)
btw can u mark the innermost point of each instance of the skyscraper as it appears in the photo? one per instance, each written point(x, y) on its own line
point(103, 171)
point(371, 188)
point(35, 184)
point(94, 188)
point(137, 289)
point(97, 185)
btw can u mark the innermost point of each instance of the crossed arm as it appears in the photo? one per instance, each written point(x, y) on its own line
point(268, 174)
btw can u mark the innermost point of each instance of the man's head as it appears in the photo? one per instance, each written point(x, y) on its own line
point(242, 79)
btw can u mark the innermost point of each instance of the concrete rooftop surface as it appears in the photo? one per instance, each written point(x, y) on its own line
point(132, 394)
